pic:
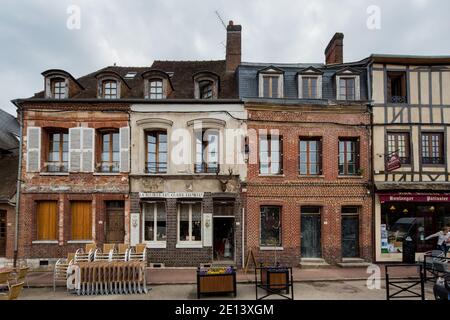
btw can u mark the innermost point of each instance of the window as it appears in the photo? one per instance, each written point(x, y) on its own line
point(396, 87)
point(156, 89)
point(58, 151)
point(271, 154)
point(270, 226)
point(432, 148)
point(348, 157)
point(156, 152)
point(58, 86)
point(81, 220)
point(310, 156)
point(155, 222)
point(110, 152)
point(309, 87)
point(398, 143)
point(206, 88)
point(190, 222)
point(347, 88)
point(207, 151)
point(270, 87)
point(110, 89)
point(47, 220)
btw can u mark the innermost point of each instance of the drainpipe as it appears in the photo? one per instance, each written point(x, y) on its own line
point(18, 186)
point(243, 238)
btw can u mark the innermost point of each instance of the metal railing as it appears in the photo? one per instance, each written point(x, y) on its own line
point(404, 286)
point(156, 167)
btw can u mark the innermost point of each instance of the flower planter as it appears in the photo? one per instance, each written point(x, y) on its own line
point(215, 282)
point(275, 279)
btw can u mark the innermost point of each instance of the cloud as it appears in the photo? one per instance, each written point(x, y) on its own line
point(34, 35)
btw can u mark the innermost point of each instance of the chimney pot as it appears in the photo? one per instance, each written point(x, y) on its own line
point(334, 52)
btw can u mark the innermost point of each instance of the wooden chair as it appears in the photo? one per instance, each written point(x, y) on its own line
point(13, 293)
point(60, 269)
point(139, 253)
point(20, 276)
point(87, 254)
point(4, 279)
point(106, 253)
point(122, 252)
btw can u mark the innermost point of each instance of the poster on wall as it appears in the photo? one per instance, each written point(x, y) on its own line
point(207, 230)
point(384, 239)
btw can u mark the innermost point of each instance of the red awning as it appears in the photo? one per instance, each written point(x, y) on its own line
point(414, 197)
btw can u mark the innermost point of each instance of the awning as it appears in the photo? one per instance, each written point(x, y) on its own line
point(413, 197)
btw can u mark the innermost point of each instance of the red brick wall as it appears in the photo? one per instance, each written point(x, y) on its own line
point(291, 192)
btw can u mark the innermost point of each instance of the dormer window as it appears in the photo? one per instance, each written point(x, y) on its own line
point(348, 85)
point(347, 88)
point(206, 85)
point(271, 83)
point(59, 88)
point(206, 89)
point(156, 89)
point(310, 84)
point(110, 89)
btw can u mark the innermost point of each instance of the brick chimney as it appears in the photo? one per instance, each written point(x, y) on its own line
point(233, 55)
point(334, 53)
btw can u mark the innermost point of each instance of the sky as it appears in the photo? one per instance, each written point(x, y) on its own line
point(82, 36)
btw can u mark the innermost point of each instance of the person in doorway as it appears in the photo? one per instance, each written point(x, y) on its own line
point(443, 236)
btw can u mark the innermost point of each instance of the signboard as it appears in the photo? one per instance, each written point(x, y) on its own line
point(414, 197)
point(171, 195)
point(134, 229)
point(393, 163)
point(207, 229)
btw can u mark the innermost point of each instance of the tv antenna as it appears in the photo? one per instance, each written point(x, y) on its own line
point(220, 18)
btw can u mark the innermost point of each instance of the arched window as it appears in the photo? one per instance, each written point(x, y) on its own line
point(206, 85)
point(206, 88)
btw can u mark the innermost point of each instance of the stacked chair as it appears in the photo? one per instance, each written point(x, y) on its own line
point(106, 254)
point(139, 253)
point(60, 270)
point(87, 254)
point(13, 292)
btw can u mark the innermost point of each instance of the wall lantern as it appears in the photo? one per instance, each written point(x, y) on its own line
point(405, 211)
point(392, 208)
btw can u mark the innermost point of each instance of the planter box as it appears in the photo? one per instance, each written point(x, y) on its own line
point(275, 279)
point(216, 283)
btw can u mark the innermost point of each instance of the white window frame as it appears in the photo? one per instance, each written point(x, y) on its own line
point(189, 243)
point(357, 86)
point(161, 95)
point(153, 243)
point(280, 84)
point(318, 87)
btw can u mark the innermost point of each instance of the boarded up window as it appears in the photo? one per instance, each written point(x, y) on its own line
point(81, 220)
point(47, 220)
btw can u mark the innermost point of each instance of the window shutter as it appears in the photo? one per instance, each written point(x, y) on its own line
point(338, 97)
point(33, 149)
point(124, 149)
point(88, 150)
point(357, 89)
point(75, 149)
point(48, 88)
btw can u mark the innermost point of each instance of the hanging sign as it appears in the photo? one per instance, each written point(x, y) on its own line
point(393, 163)
point(171, 195)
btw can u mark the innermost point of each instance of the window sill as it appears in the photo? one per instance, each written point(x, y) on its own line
point(189, 245)
point(45, 242)
point(106, 174)
point(156, 244)
point(79, 241)
point(272, 175)
point(430, 165)
point(54, 173)
point(321, 176)
point(350, 177)
point(271, 248)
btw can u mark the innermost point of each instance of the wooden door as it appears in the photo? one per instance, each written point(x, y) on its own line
point(350, 236)
point(81, 220)
point(311, 245)
point(2, 233)
point(115, 224)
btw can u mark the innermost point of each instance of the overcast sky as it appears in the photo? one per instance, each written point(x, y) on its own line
point(34, 35)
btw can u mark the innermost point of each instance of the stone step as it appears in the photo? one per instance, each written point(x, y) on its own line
point(353, 263)
point(313, 263)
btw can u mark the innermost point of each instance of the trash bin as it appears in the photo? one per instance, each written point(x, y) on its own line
point(409, 250)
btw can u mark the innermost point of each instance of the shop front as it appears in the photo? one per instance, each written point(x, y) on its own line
point(402, 215)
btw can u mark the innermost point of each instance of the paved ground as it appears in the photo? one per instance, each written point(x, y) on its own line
point(330, 290)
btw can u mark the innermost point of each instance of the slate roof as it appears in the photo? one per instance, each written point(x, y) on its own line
point(181, 75)
point(9, 160)
point(9, 129)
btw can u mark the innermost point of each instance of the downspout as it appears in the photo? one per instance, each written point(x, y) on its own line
point(18, 186)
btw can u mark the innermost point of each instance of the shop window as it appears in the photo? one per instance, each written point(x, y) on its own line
point(207, 151)
point(270, 154)
point(398, 143)
point(347, 88)
point(416, 220)
point(190, 223)
point(156, 89)
point(81, 213)
point(58, 150)
point(270, 226)
point(310, 156)
point(155, 222)
point(47, 220)
point(348, 156)
point(396, 87)
point(156, 152)
point(433, 148)
point(109, 151)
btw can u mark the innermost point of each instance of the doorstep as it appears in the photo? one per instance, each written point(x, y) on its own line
point(353, 263)
point(313, 263)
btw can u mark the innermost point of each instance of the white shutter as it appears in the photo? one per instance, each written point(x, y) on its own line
point(33, 149)
point(124, 149)
point(357, 89)
point(75, 149)
point(87, 164)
